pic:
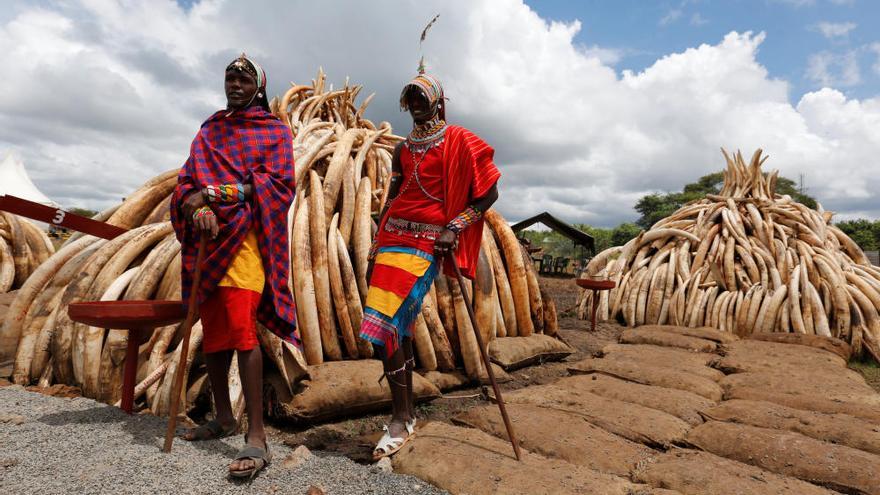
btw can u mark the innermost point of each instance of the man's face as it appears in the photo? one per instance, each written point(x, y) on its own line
point(240, 88)
point(418, 105)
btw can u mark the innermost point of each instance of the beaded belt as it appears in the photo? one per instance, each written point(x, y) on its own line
point(414, 229)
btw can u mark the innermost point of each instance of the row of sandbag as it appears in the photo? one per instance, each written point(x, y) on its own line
point(23, 246)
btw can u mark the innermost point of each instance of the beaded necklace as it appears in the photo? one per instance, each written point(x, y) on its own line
point(420, 141)
point(425, 136)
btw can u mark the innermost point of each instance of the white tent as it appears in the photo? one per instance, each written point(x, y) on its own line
point(14, 181)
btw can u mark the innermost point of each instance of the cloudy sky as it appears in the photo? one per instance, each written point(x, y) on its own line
point(589, 105)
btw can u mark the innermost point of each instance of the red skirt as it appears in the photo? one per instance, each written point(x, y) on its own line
point(229, 320)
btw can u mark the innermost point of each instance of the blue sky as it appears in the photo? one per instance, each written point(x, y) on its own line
point(643, 31)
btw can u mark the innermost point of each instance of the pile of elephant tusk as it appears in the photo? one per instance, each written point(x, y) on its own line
point(746, 260)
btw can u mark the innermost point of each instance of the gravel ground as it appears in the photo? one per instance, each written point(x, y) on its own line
point(51, 445)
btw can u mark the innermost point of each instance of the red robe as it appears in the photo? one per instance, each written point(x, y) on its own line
point(469, 174)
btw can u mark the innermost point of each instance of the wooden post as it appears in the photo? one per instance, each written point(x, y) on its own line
point(184, 350)
point(485, 356)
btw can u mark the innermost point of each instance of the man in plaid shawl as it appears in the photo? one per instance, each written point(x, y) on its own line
point(236, 188)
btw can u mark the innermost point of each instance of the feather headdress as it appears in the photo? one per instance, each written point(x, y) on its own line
point(422, 40)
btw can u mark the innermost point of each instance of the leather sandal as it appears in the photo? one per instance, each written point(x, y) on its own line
point(260, 457)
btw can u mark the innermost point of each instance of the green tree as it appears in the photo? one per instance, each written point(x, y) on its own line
point(864, 232)
point(707, 184)
point(621, 234)
point(601, 237)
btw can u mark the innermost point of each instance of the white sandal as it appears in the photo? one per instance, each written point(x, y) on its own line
point(411, 426)
point(389, 445)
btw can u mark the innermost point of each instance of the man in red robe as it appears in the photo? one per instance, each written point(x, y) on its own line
point(442, 181)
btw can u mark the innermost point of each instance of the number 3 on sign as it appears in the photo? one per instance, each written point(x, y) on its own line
point(59, 217)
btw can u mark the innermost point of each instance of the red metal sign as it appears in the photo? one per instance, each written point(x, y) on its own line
point(58, 217)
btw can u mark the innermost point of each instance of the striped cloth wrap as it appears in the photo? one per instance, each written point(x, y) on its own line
point(401, 277)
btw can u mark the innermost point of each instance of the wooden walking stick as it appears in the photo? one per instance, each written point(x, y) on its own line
point(485, 356)
point(184, 350)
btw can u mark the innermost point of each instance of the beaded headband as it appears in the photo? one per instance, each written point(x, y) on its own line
point(245, 64)
point(429, 85)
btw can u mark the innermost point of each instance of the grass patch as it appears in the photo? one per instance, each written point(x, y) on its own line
point(870, 370)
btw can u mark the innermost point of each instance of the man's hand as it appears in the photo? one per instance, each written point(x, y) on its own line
point(446, 243)
point(192, 203)
point(206, 223)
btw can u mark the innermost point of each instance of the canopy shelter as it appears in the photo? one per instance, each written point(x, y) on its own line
point(14, 181)
point(578, 237)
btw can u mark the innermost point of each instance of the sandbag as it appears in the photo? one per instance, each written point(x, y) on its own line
point(654, 336)
point(844, 385)
point(829, 344)
point(692, 472)
point(753, 355)
point(835, 466)
point(512, 353)
point(339, 389)
point(707, 333)
point(810, 402)
point(665, 357)
point(560, 435)
point(679, 403)
point(648, 374)
point(634, 422)
point(841, 429)
point(465, 460)
point(451, 380)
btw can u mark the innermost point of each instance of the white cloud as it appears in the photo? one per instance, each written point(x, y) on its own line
point(830, 69)
point(843, 2)
point(670, 17)
point(698, 20)
point(104, 96)
point(833, 30)
point(608, 56)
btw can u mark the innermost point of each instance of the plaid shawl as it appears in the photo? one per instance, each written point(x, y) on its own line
point(248, 146)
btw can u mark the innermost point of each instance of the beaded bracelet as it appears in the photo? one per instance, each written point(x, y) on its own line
point(469, 216)
point(202, 212)
point(224, 193)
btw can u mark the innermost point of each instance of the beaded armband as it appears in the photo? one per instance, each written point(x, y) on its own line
point(224, 193)
point(202, 212)
point(469, 216)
